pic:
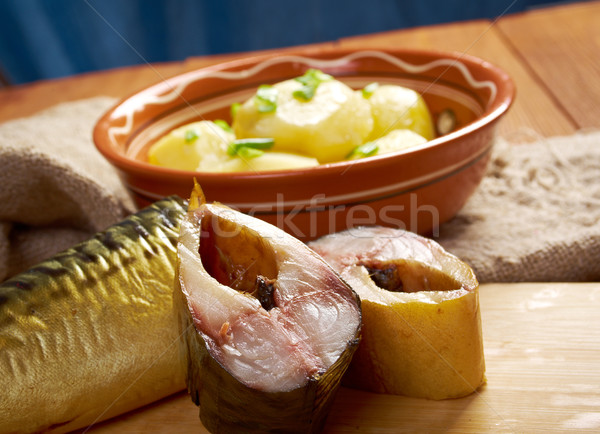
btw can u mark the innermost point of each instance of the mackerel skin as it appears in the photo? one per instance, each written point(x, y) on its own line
point(91, 333)
point(220, 396)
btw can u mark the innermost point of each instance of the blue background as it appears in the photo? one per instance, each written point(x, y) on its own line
point(53, 38)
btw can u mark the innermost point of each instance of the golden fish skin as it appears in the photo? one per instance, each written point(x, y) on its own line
point(422, 334)
point(90, 333)
point(241, 383)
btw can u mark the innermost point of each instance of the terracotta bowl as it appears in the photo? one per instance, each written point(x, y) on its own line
point(416, 189)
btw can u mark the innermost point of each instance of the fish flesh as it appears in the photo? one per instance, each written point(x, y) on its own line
point(91, 333)
point(268, 327)
point(422, 333)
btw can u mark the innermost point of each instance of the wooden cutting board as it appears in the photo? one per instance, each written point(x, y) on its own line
point(542, 350)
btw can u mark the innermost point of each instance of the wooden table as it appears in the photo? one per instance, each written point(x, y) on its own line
point(542, 341)
point(542, 350)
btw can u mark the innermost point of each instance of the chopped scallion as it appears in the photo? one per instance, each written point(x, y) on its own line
point(369, 89)
point(310, 82)
point(305, 93)
point(364, 150)
point(259, 144)
point(266, 99)
point(224, 125)
point(248, 153)
point(190, 136)
point(234, 109)
point(313, 75)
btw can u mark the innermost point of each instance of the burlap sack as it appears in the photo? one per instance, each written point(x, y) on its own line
point(536, 214)
point(55, 188)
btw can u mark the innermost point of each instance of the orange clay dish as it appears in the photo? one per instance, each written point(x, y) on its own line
point(302, 122)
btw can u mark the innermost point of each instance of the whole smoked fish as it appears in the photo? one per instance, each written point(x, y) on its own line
point(90, 333)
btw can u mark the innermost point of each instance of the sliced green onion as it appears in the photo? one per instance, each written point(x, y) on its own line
point(266, 98)
point(190, 136)
point(224, 125)
point(369, 89)
point(310, 81)
point(256, 144)
point(248, 153)
point(364, 150)
point(313, 75)
point(234, 109)
point(305, 93)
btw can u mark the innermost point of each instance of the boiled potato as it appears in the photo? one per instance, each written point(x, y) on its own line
point(327, 126)
point(198, 146)
point(303, 122)
point(266, 162)
point(396, 107)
